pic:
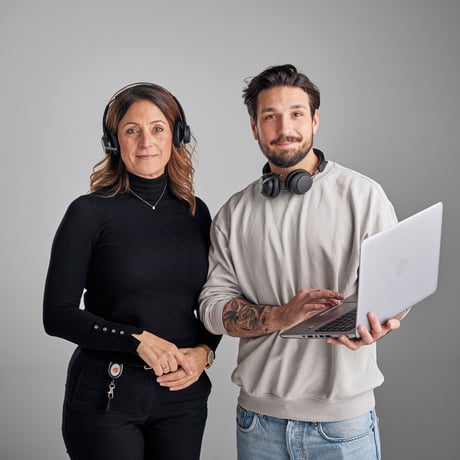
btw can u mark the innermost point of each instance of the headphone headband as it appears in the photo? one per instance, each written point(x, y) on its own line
point(181, 130)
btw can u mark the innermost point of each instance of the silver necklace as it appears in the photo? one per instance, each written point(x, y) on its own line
point(153, 206)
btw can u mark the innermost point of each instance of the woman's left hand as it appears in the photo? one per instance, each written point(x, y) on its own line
point(178, 380)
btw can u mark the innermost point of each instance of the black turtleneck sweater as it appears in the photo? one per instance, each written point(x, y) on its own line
point(141, 269)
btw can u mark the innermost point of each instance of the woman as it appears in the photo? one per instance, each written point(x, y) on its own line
point(137, 245)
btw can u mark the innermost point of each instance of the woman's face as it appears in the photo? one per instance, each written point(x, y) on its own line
point(145, 140)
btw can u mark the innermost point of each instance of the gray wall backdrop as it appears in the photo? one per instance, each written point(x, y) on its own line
point(388, 72)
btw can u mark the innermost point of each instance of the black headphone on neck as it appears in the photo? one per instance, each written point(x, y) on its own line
point(298, 181)
point(181, 130)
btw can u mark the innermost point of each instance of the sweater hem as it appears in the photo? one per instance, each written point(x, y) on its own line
point(308, 410)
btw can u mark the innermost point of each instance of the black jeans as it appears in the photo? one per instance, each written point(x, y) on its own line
point(144, 421)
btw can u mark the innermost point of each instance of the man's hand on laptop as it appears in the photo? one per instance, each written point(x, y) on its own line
point(368, 337)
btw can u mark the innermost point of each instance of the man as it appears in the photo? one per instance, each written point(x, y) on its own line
point(299, 227)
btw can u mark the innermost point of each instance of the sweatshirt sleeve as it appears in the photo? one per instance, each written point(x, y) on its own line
point(204, 218)
point(70, 261)
point(222, 284)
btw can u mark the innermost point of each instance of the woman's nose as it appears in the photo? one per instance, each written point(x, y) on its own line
point(145, 138)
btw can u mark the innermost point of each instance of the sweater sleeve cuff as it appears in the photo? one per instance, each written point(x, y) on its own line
point(212, 318)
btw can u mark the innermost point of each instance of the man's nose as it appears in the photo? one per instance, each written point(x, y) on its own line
point(285, 125)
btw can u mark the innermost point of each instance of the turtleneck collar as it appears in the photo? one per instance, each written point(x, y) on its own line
point(149, 189)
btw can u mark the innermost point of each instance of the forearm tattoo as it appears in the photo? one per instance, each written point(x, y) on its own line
point(243, 319)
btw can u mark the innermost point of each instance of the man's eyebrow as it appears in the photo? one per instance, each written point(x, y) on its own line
point(268, 109)
point(295, 106)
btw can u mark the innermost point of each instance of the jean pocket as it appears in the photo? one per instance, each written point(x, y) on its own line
point(246, 420)
point(347, 430)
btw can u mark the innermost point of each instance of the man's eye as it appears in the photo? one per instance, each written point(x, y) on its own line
point(270, 116)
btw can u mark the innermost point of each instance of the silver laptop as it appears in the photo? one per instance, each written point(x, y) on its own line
point(398, 269)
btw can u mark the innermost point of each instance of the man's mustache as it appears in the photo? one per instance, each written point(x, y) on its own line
point(282, 139)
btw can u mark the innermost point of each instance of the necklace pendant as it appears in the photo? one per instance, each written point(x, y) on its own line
point(153, 206)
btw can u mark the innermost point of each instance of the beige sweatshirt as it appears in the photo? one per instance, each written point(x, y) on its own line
point(265, 250)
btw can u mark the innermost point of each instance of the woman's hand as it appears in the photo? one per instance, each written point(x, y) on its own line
point(179, 379)
point(163, 356)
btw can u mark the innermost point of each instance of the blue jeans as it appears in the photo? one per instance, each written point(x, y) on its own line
point(260, 437)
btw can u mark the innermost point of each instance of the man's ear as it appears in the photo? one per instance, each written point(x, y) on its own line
point(255, 133)
point(315, 121)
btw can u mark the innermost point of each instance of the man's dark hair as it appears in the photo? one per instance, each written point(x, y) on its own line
point(282, 75)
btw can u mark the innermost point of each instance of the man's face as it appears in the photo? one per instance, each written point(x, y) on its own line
point(284, 126)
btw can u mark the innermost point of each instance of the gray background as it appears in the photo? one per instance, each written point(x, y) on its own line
point(388, 72)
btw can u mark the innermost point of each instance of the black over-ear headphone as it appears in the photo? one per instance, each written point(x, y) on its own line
point(181, 130)
point(298, 181)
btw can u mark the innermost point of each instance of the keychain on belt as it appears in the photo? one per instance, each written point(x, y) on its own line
point(114, 370)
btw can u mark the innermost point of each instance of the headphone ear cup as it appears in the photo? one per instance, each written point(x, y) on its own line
point(186, 134)
point(181, 133)
point(177, 133)
point(299, 181)
point(269, 185)
point(181, 130)
point(110, 144)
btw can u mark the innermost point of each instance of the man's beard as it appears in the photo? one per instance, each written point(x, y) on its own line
point(289, 157)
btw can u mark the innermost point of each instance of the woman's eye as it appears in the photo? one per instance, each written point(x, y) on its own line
point(131, 131)
point(158, 129)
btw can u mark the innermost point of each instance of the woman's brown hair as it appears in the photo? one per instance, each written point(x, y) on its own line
point(110, 173)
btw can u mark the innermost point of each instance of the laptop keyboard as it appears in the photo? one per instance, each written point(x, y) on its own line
point(343, 323)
